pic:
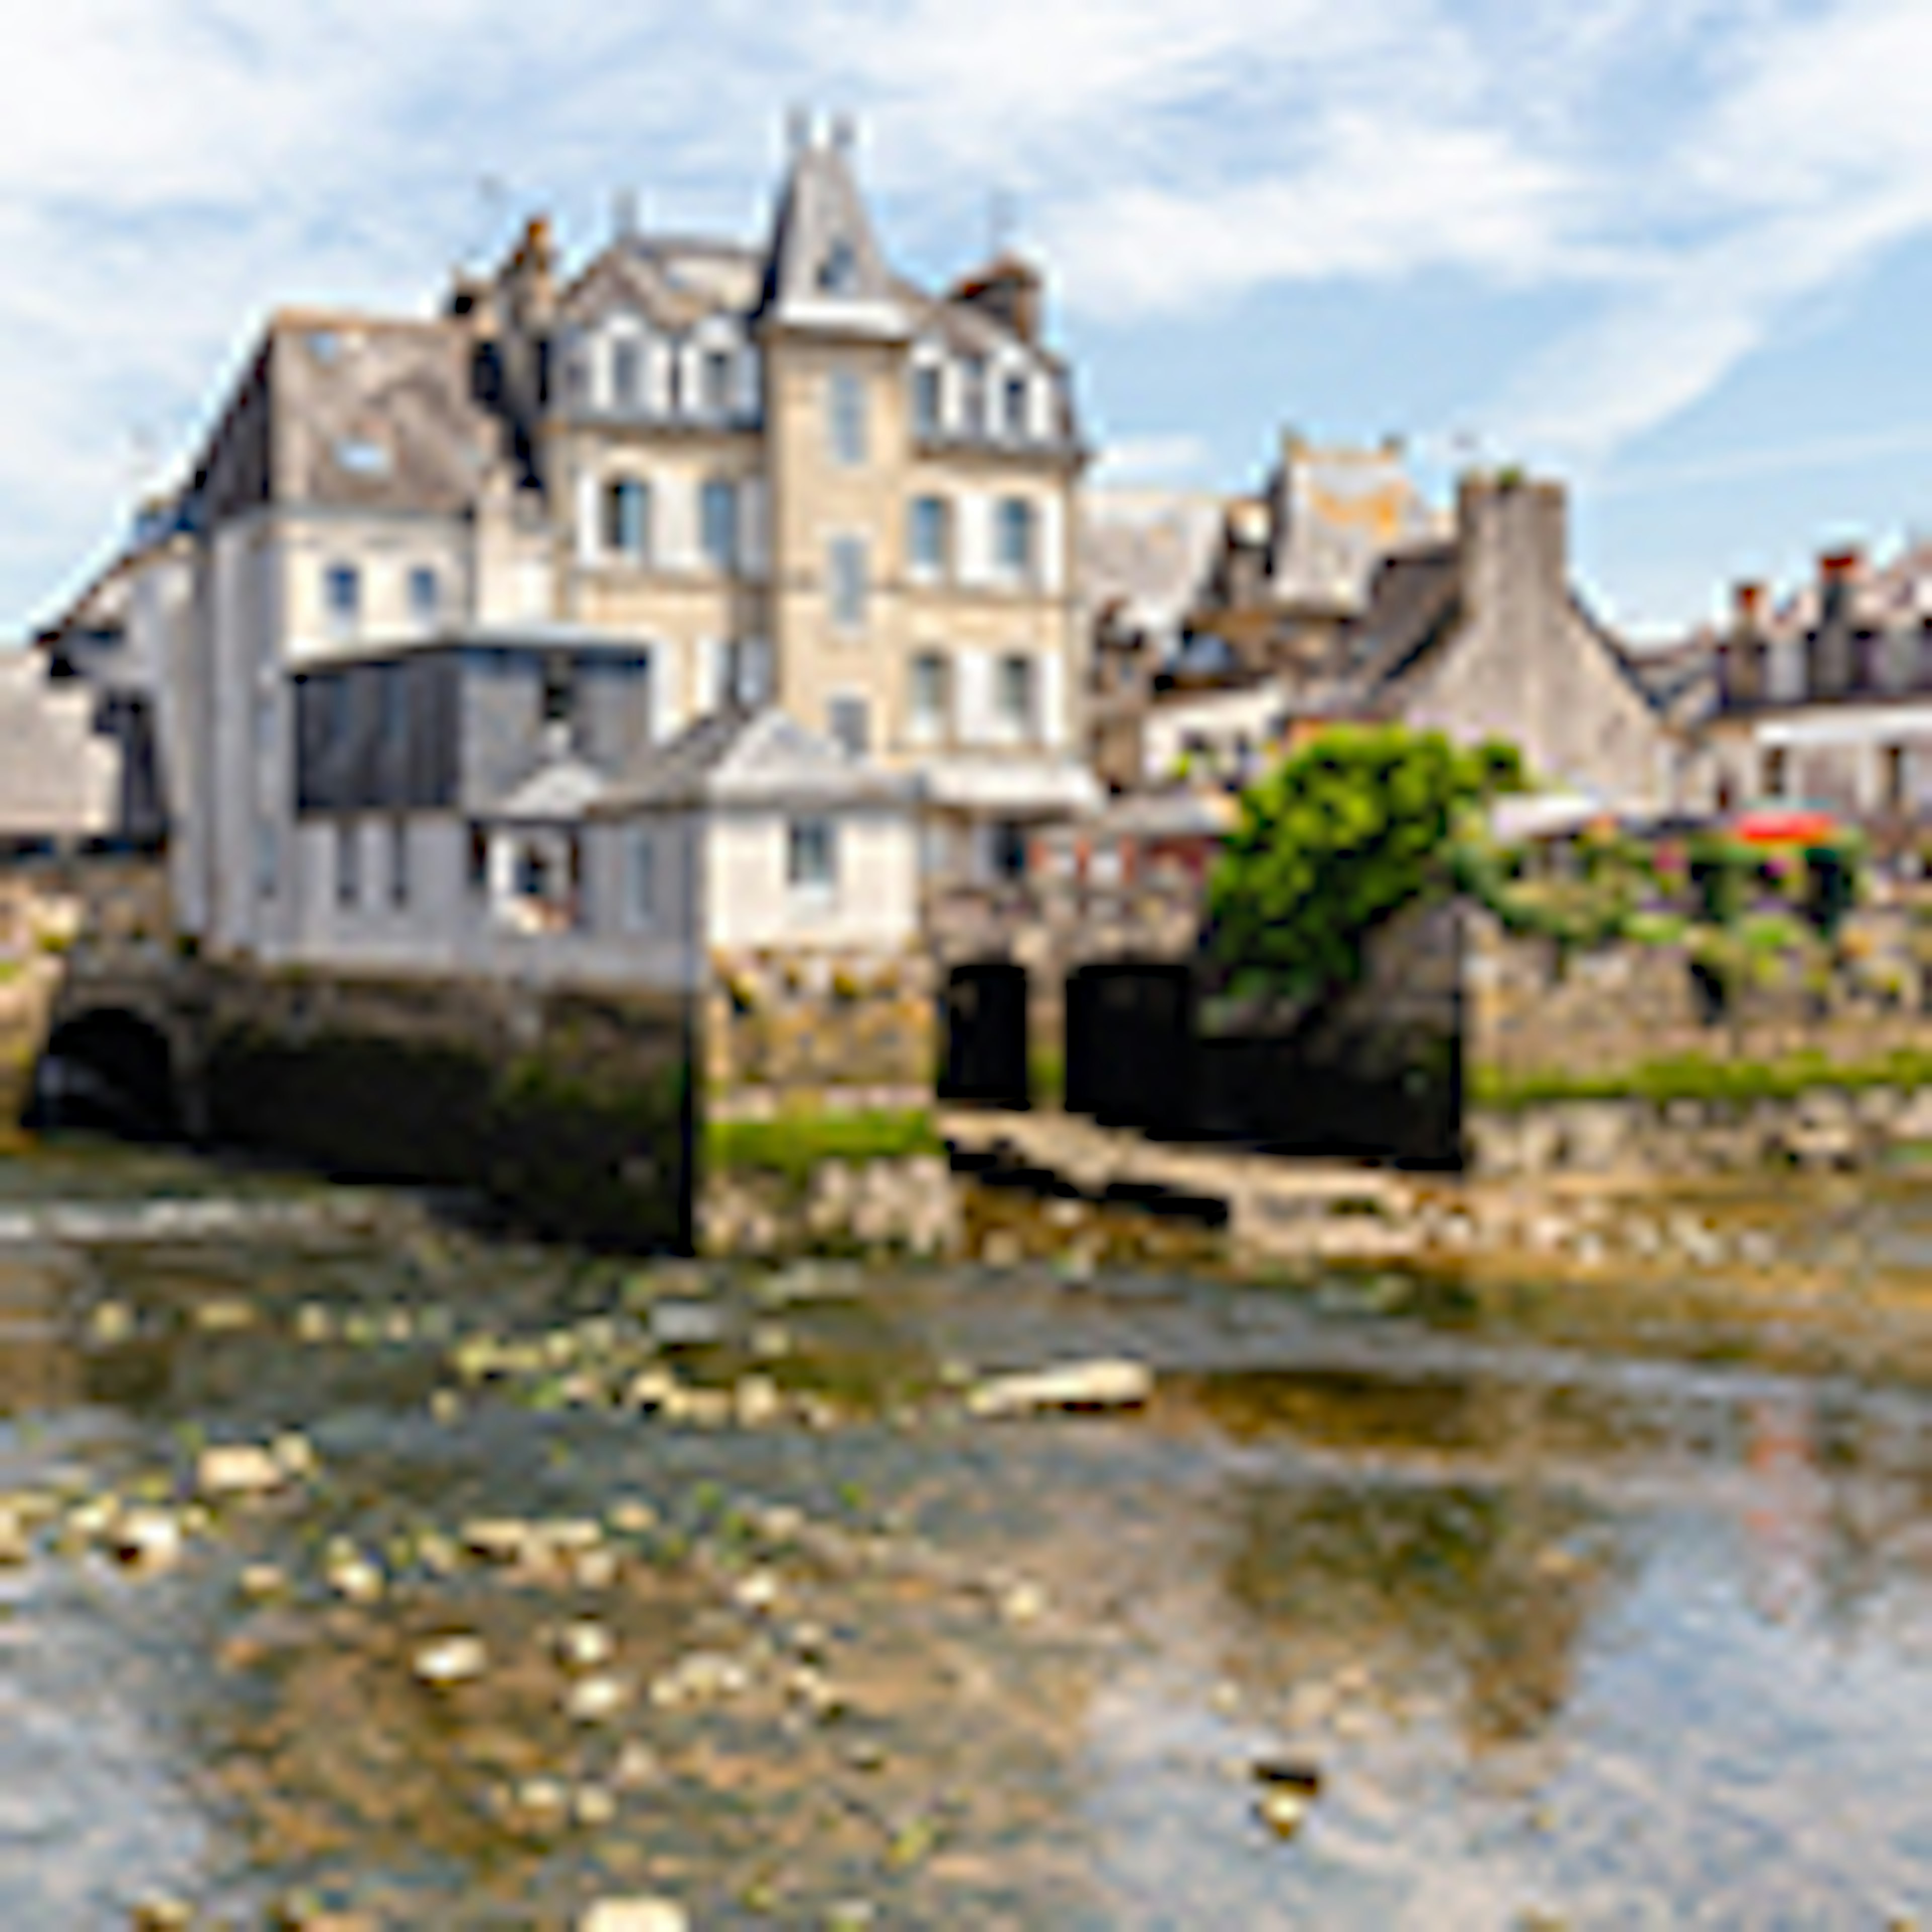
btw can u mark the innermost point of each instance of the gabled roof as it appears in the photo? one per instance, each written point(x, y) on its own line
point(625, 275)
point(763, 756)
point(561, 789)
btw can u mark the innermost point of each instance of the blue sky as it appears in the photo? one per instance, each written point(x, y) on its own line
point(1675, 250)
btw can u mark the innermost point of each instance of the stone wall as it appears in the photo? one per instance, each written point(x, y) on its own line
point(1530, 1018)
point(832, 1032)
point(568, 1107)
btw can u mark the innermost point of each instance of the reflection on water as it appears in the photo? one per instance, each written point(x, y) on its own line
point(1568, 1631)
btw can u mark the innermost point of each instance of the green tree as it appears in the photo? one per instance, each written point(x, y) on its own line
point(1353, 827)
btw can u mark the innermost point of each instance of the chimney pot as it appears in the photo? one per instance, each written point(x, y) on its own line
point(1748, 602)
point(1840, 566)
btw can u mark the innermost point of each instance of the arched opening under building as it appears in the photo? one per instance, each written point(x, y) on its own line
point(107, 1071)
point(986, 1034)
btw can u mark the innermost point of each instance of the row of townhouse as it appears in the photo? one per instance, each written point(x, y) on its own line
point(438, 591)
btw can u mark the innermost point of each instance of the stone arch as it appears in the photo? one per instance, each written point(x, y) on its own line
point(111, 1068)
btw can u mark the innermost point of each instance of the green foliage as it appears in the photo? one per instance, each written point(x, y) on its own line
point(793, 1143)
point(1350, 829)
point(1697, 1077)
point(1722, 870)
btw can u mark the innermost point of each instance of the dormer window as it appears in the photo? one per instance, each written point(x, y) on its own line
point(838, 273)
point(926, 400)
point(1016, 394)
point(626, 374)
point(362, 456)
point(714, 377)
point(973, 395)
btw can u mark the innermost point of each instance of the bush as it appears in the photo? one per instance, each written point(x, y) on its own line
point(1350, 829)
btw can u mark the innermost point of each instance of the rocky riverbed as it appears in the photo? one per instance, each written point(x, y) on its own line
point(359, 1568)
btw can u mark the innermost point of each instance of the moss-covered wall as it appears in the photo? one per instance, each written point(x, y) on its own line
point(568, 1107)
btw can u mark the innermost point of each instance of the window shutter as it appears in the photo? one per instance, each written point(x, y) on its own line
point(973, 531)
point(752, 538)
point(1050, 535)
point(590, 507)
point(1053, 720)
point(975, 673)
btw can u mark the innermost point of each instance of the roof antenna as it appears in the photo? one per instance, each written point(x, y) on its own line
point(1002, 218)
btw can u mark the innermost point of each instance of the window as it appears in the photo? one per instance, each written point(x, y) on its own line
point(812, 857)
point(559, 689)
point(845, 404)
point(930, 696)
point(973, 395)
point(643, 877)
point(715, 381)
point(848, 574)
point(348, 866)
point(1016, 696)
point(1007, 849)
point(927, 537)
point(425, 595)
point(399, 862)
point(926, 400)
point(1894, 759)
point(838, 273)
point(627, 519)
point(342, 599)
point(479, 859)
point(850, 726)
point(626, 373)
point(1774, 772)
point(1014, 538)
point(1016, 393)
point(362, 456)
point(718, 523)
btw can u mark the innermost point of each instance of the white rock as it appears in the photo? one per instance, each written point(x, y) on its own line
point(686, 1325)
point(592, 1700)
point(239, 1469)
point(355, 1579)
point(583, 1646)
point(1106, 1383)
point(634, 1914)
point(147, 1539)
point(448, 1660)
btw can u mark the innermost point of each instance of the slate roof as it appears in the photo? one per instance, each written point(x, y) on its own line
point(58, 778)
point(824, 258)
point(375, 413)
point(762, 756)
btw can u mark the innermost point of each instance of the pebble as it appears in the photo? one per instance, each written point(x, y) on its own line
point(445, 1406)
point(260, 1583)
point(756, 1592)
point(450, 1661)
point(314, 1323)
point(112, 1322)
point(1110, 1382)
point(584, 1646)
point(1023, 1603)
point(239, 1469)
point(634, 1914)
point(146, 1539)
point(633, 1517)
point(593, 1700)
point(595, 1569)
point(592, 1806)
point(354, 1579)
point(223, 1317)
point(13, 1544)
point(161, 1914)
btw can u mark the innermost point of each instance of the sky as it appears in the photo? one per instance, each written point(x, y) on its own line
point(1675, 252)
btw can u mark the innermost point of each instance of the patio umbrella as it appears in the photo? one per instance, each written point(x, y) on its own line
point(1797, 825)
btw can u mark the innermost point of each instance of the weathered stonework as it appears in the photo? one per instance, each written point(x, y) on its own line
point(835, 1032)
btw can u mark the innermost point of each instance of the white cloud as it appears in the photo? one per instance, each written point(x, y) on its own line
point(1682, 173)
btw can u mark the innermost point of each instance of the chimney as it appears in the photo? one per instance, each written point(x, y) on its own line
point(1838, 573)
point(1747, 608)
point(1008, 290)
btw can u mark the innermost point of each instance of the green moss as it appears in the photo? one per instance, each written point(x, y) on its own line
point(793, 1144)
point(1693, 1077)
point(1046, 1073)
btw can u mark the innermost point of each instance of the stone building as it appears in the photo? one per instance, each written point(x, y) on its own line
point(1827, 700)
point(431, 585)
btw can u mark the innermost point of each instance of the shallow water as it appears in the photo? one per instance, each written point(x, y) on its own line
point(1577, 1626)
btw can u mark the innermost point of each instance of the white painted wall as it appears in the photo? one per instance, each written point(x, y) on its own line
point(875, 902)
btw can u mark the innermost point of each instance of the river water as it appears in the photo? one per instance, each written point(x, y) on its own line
point(1575, 1624)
